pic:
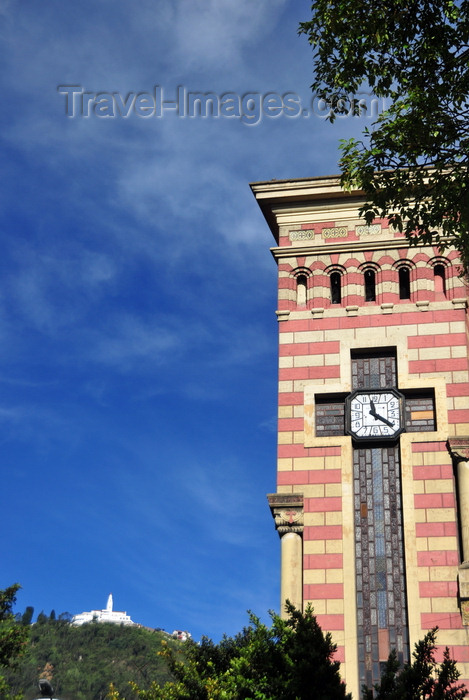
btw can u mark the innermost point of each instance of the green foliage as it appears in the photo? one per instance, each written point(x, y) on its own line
point(413, 163)
point(27, 616)
point(421, 679)
point(81, 662)
point(13, 637)
point(291, 660)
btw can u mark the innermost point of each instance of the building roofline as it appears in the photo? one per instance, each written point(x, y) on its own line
point(272, 195)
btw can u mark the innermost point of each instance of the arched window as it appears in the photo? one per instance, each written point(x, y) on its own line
point(370, 285)
point(439, 279)
point(301, 283)
point(336, 291)
point(404, 282)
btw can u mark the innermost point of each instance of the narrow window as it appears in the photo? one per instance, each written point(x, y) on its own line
point(301, 290)
point(439, 278)
point(370, 285)
point(336, 292)
point(404, 283)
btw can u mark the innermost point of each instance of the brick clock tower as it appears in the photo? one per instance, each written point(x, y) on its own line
point(372, 501)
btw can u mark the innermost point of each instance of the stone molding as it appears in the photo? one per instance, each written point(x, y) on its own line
point(459, 303)
point(283, 315)
point(458, 447)
point(349, 247)
point(317, 312)
point(287, 511)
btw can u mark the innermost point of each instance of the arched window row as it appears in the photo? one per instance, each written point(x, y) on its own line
point(337, 275)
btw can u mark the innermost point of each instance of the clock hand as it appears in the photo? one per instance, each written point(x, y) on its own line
point(376, 416)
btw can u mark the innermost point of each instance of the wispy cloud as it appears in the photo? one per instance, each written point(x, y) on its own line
point(136, 304)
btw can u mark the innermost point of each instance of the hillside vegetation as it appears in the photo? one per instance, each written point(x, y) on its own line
point(81, 662)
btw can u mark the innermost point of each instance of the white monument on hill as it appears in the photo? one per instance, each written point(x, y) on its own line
point(106, 615)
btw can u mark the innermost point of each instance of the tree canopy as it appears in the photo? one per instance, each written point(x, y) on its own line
point(292, 660)
point(413, 163)
point(13, 637)
point(422, 678)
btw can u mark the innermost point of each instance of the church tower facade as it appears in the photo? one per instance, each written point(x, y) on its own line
point(372, 499)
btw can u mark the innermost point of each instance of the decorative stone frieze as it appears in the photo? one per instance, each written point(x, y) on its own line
point(335, 232)
point(368, 230)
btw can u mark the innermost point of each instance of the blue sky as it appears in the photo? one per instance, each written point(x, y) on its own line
point(137, 298)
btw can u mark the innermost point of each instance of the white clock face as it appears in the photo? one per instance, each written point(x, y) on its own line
point(375, 414)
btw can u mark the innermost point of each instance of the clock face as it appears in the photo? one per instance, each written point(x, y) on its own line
point(375, 414)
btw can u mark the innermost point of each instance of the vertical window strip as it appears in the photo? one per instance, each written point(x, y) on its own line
point(370, 285)
point(404, 282)
point(301, 296)
point(336, 291)
point(439, 275)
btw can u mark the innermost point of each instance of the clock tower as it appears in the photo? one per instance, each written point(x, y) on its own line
point(372, 496)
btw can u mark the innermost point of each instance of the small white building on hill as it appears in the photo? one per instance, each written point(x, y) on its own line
point(106, 615)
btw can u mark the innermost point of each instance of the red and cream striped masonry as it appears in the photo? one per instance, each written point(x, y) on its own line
point(437, 349)
point(430, 330)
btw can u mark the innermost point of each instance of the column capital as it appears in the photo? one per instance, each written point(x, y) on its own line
point(287, 511)
point(463, 580)
point(458, 448)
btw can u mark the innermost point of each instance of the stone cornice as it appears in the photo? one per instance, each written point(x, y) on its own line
point(299, 188)
point(348, 247)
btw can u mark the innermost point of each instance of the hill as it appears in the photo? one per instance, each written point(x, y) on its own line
point(81, 662)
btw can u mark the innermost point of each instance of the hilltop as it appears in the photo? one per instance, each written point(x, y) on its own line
point(81, 661)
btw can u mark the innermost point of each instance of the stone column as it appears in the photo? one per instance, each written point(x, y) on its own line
point(463, 486)
point(459, 449)
point(287, 511)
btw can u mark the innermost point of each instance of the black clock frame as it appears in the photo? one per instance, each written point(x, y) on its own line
point(375, 438)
